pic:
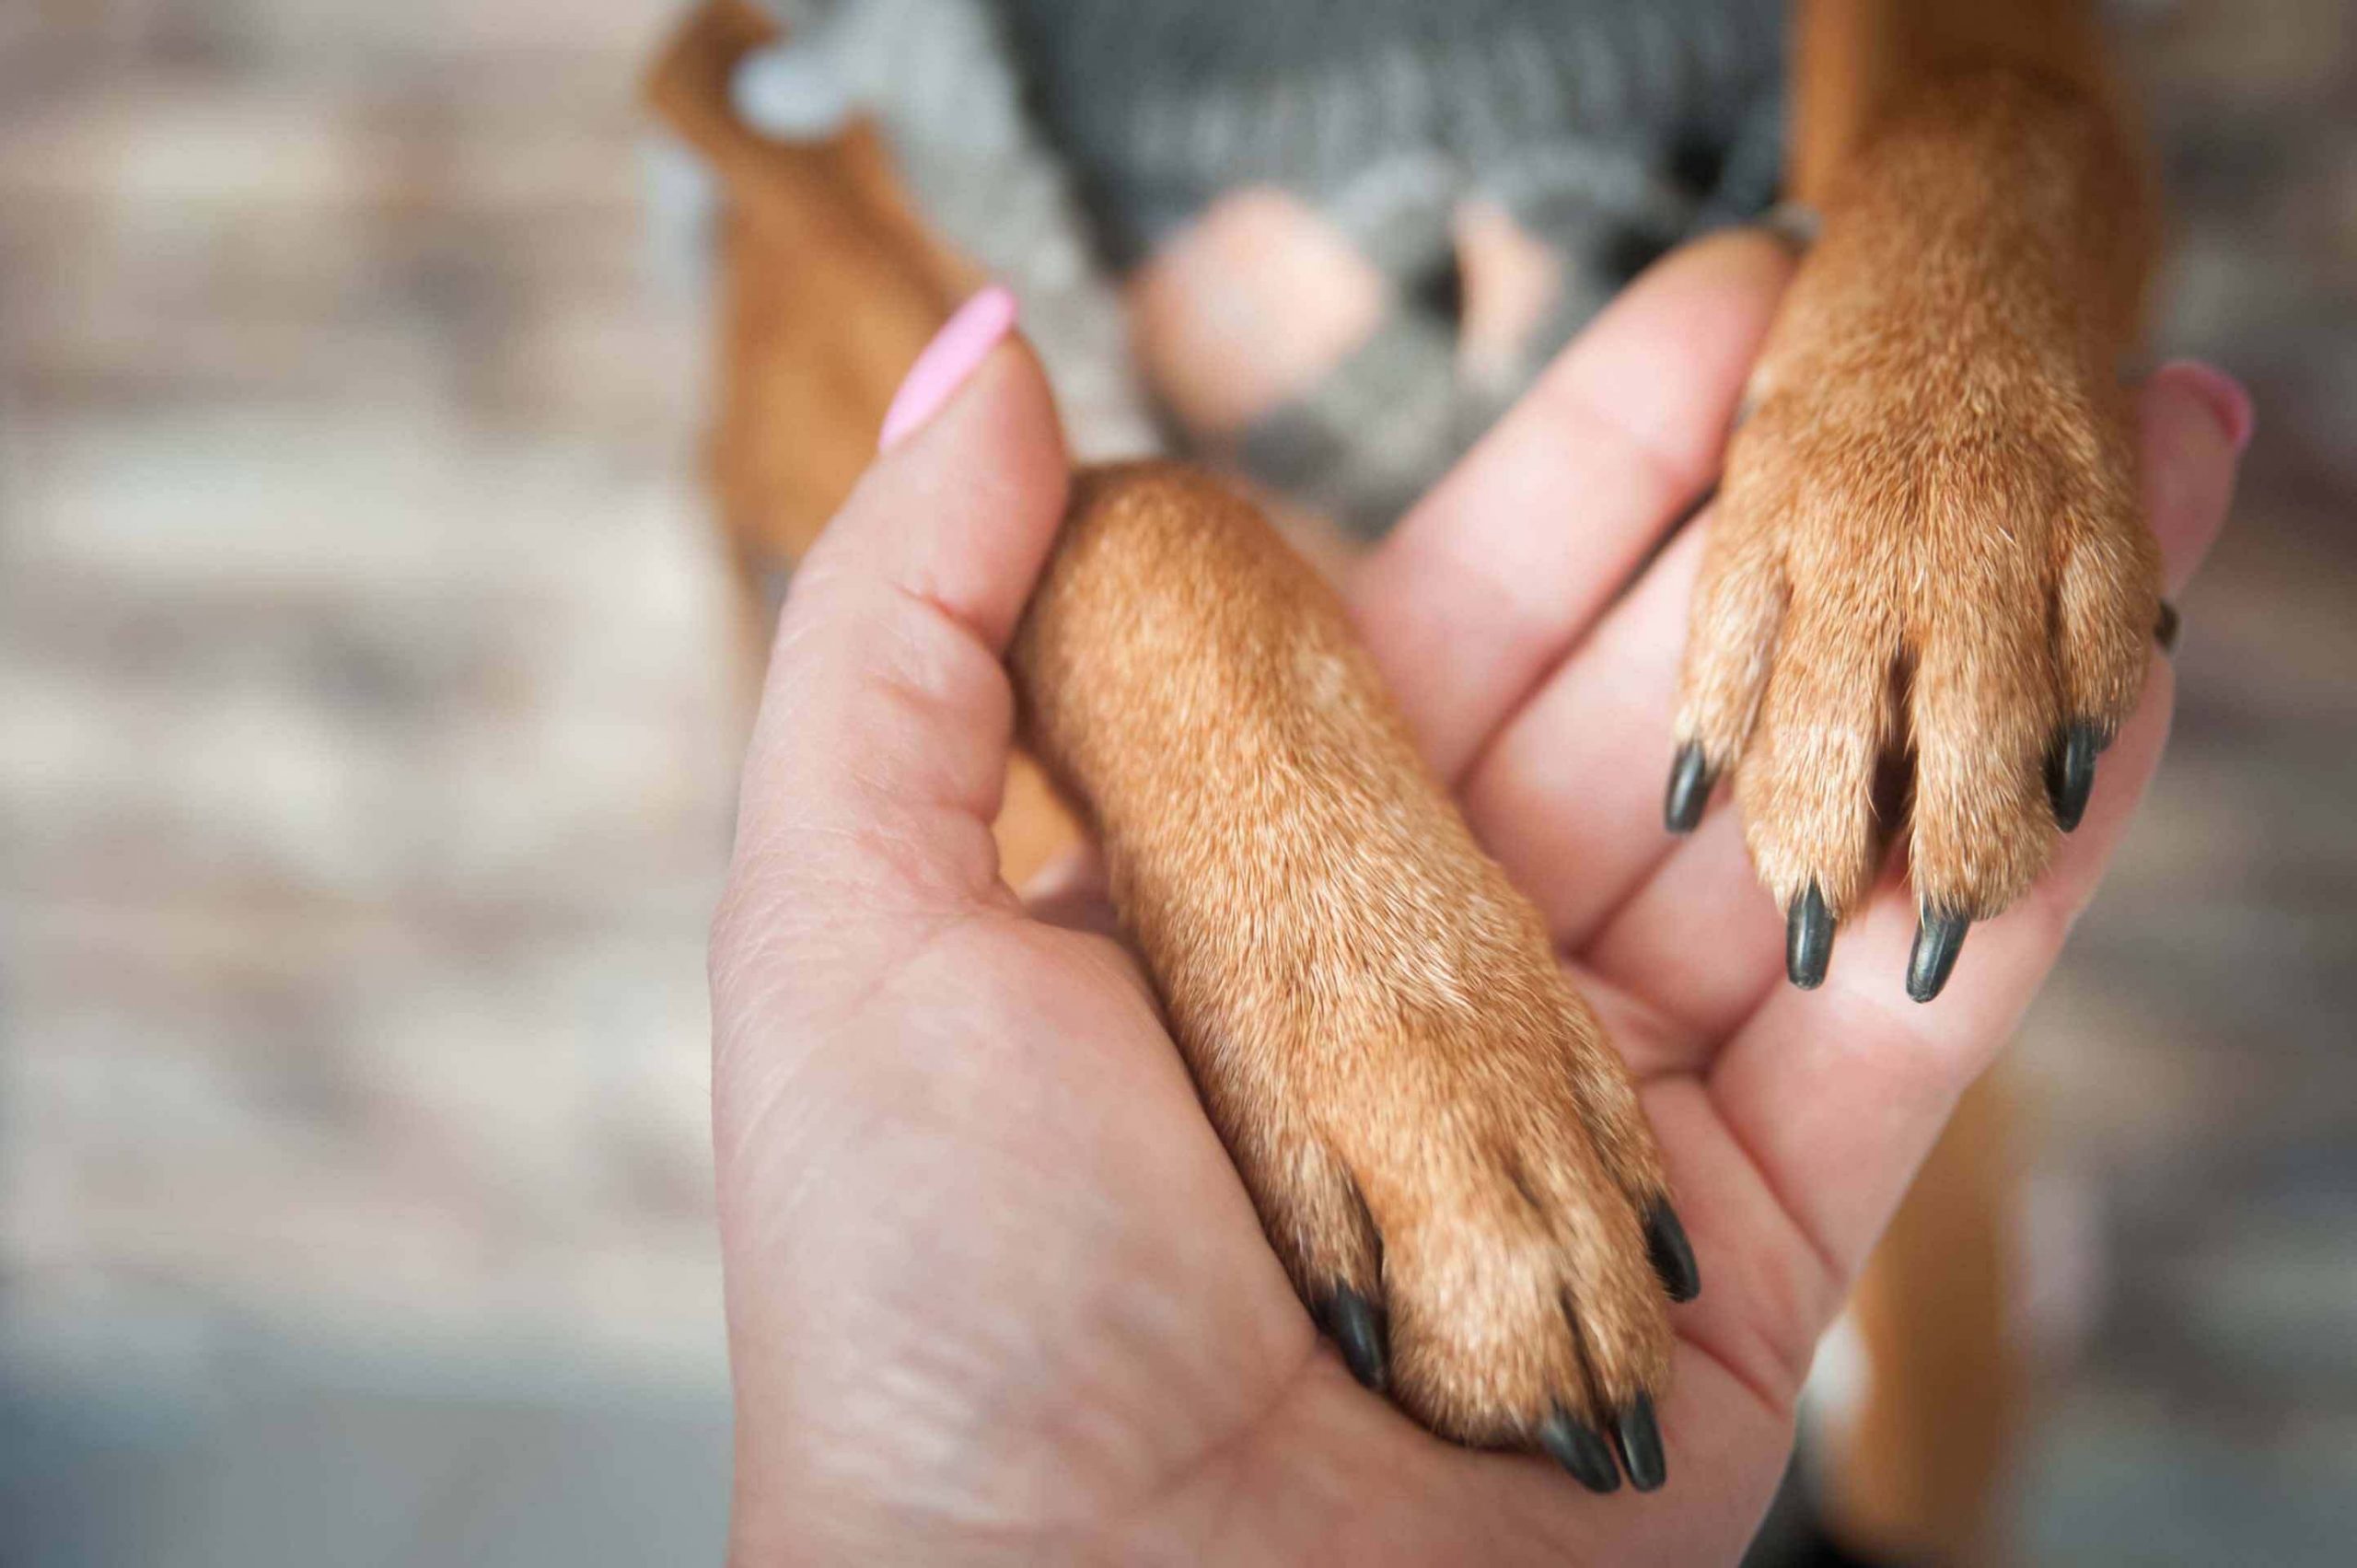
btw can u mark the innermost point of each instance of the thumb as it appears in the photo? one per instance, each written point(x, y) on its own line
point(878, 760)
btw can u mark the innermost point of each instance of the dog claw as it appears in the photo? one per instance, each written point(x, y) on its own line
point(1357, 1328)
point(2071, 773)
point(1939, 937)
point(1808, 940)
point(1672, 1254)
point(1638, 1435)
point(1580, 1451)
point(1690, 789)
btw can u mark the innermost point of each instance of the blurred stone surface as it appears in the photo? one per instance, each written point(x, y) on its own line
point(2190, 1061)
point(368, 734)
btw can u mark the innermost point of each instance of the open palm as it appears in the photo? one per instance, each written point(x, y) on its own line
point(995, 1292)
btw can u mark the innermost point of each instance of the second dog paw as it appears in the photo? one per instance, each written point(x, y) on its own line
point(1929, 549)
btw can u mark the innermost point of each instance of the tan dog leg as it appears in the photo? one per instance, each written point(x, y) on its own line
point(1930, 546)
point(1913, 1479)
point(831, 287)
point(1929, 539)
point(1443, 1149)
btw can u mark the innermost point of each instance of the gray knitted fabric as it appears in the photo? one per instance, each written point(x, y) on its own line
point(1387, 112)
point(938, 79)
point(1058, 141)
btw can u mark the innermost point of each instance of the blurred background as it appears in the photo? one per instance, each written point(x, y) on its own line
point(367, 720)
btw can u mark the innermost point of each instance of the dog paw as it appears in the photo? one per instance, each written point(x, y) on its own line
point(1449, 1158)
point(1929, 551)
point(1444, 1148)
point(1444, 1151)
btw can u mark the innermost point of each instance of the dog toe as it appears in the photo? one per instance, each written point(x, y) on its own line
point(1474, 1212)
point(1807, 785)
point(1528, 1308)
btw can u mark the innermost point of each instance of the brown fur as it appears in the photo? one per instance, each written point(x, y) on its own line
point(1929, 538)
point(1933, 484)
point(833, 286)
point(1910, 1476)
point(1422, 1107)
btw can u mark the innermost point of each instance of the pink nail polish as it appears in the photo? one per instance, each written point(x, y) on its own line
point(2225, 396)
point(963, 343)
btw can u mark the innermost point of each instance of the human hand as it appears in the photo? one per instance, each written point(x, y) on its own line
point(995, 1291)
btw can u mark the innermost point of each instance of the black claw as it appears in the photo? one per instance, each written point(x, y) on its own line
point(2070, 772)
point(1690, 789)
point(2165, 631)
point(1672, 1254)
point(1939, 937)
point(1580, 1451)
point(1357, 1326)
point(1808, 940)
point(1639, 1436)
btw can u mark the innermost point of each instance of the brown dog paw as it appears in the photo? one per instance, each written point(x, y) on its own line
point(1445, 1153)
point(1929, 545)
point(1449, 1158)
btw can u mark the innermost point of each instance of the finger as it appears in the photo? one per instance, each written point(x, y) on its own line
point(1567, 795)
point(2194, 422)
point(1704, 939)
point(1495, 573)
point(1839, 1095)
point(881, 748)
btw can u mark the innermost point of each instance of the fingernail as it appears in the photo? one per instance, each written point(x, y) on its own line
point(1357, 1328)
point(1672, 1254)
point(963, 343)
point(1580, 1451)
point(1640, 1440)
point(1690, 789)
point(1808, 940)
point(1939, 937)
point(2070, 772)
point(2229, 402)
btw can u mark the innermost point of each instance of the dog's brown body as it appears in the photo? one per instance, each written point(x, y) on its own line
point(1927, 541)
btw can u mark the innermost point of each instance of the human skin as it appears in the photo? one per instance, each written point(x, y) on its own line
point(995, 1291)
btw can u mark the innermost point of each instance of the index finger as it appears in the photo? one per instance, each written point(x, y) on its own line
point(1491, 578)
